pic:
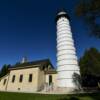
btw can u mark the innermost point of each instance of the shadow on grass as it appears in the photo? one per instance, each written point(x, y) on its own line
point(71, 98)
point(85, 96)
point(74, 98)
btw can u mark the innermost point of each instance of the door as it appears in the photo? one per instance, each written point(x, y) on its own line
point(50, 79)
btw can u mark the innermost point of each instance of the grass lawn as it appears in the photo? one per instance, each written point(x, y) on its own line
point(30, 96)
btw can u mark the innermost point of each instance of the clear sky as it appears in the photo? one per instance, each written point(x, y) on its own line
point(28, 28)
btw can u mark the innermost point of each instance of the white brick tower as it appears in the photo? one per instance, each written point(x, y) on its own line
point(67, 63)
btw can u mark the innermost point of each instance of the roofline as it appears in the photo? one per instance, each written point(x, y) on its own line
point(51, 64)
point(24, 67)
point(31, 64)
point(51, 72)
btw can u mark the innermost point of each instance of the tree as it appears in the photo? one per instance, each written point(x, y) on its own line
point(4, 70)
point(90, 67)
point(17, 63)
point(89, 11)
point(77, 81)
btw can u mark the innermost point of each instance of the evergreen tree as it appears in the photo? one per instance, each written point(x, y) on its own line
point(4, 70)
point(90, 67)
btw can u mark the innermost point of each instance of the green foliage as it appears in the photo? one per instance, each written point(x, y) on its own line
point(4, 70)
point(90, 62)
point(89, 11)
point(90, 67)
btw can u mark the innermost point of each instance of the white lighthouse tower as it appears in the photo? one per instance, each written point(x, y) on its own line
point(67, 64)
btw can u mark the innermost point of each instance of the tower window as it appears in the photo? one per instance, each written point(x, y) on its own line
point(4, 81)
point(30, 77)
point(21, 78)
point(13, 79)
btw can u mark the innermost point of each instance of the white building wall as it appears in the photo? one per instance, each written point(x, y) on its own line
point(25, 85)
point(3, 87)
point(67, 63)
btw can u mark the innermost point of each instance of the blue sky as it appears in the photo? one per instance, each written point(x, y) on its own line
point(28, 28)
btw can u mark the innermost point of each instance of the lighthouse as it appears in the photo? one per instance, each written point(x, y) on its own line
point(67, 63)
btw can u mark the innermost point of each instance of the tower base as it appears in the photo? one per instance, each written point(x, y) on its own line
point(67, 90)
point(63, 90)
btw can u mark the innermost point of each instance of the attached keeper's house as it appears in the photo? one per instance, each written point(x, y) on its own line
point(30, 77)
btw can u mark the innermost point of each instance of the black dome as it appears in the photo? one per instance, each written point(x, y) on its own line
point(62, 14)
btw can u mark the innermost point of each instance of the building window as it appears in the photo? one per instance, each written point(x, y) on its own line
point(13, 79)
point(50, 79)
point(30, 77)
point(21, 78)
point(4, 81)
